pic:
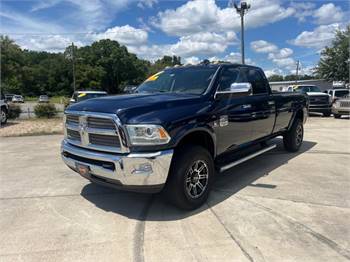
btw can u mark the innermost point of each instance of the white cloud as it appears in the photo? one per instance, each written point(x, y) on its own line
point(262, 46)
point(200, 16)
point(193, 60)
point(328, 13)
point(40, 5)
point(14, 22)
point(280, 57)
point(287, 62)
point(51, 43)
point(125, 35)
point(303, 10)
point(199, 44)
point(232, 57)
point(275, 71)
point(146, 3)
point(280, 54)
point(319, 38)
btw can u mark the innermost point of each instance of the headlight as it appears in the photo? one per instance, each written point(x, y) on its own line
point(147, 135)
point(330, 100)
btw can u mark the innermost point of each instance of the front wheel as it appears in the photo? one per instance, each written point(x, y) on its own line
point(327, 114)
point(293, 138)
point(336, 116)
point(190, 177)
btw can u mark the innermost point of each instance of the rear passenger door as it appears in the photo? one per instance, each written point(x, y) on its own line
point(262, 103)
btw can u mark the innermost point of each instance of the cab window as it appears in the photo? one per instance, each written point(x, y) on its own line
point(228, 76)
point(258, 81)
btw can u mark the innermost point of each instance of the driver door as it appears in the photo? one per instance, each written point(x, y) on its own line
point(233, 112)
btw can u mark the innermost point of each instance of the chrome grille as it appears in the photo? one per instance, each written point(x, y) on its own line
point(319, 99)
point(72, 119)
point(345, 103)
point(74, 135)
point(105, 123)
point(104, 140)
point(96, 131)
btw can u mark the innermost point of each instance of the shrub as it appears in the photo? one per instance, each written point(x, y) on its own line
point(45, 110)
point(14, 111)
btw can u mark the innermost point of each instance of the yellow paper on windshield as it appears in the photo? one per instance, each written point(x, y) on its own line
point(81, 95)
point(154, 77)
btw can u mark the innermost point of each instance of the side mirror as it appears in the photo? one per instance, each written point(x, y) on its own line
point(245, 88)
point(237, 89)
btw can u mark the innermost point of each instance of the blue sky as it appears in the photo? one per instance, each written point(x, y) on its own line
point(278, 33)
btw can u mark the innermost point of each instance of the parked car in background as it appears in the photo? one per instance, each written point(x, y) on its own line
point(8, 97)
point(181, 127)
point(319, 102)
point(17, 99)
point(4, 109)
point(337, 93)
point(341, 107)
point(44, 99)
point(79, 96)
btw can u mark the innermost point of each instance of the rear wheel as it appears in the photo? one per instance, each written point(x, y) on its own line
point(293, 139)
point(190, 177)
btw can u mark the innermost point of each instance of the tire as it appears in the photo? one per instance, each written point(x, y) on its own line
point(336, 116)
point(326, 114)
point(3, 116)
point(293, 138)
point(182, 188)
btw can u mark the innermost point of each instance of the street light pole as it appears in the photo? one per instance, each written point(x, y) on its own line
point(297, 73)
point(73, 61)
point(242, 10)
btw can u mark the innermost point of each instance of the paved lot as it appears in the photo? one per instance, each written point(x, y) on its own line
point(277, 207)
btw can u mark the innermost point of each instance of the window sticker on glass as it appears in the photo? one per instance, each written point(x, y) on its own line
point(154, 77)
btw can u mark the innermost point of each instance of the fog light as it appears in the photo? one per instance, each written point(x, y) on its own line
point(143, 169)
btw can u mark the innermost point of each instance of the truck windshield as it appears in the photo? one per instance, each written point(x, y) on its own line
point(305, 89)
point(341, 93)
point(191, 80)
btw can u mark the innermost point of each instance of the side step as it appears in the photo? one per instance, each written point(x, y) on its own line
point(239, 161)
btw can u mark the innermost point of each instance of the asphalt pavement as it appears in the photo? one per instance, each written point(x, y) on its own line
point(277, 207)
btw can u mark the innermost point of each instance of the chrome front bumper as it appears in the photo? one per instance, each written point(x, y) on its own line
point(133, 171)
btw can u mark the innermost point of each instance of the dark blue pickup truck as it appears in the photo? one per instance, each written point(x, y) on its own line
point(181, 128)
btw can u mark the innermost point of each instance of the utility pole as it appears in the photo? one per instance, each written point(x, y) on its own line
point(242, 10)
point(73, 61)
point(297, 72)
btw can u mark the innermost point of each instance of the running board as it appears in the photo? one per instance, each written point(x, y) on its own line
point(239, 161)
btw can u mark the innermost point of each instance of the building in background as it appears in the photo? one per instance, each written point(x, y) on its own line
point(283, 85)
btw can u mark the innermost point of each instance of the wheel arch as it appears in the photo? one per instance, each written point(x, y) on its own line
point(199, 136)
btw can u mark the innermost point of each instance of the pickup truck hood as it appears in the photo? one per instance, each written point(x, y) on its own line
point(143, 108)
point(316, 94)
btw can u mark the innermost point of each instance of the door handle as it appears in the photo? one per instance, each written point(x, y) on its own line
point(246, 106)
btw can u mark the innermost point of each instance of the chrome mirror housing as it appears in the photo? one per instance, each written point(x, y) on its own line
point(237, 89)
point(241, 88)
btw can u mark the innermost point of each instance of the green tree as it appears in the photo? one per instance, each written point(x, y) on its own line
point(275, 78)
point(166, 61)
point(334, 62)
point(12, 61)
